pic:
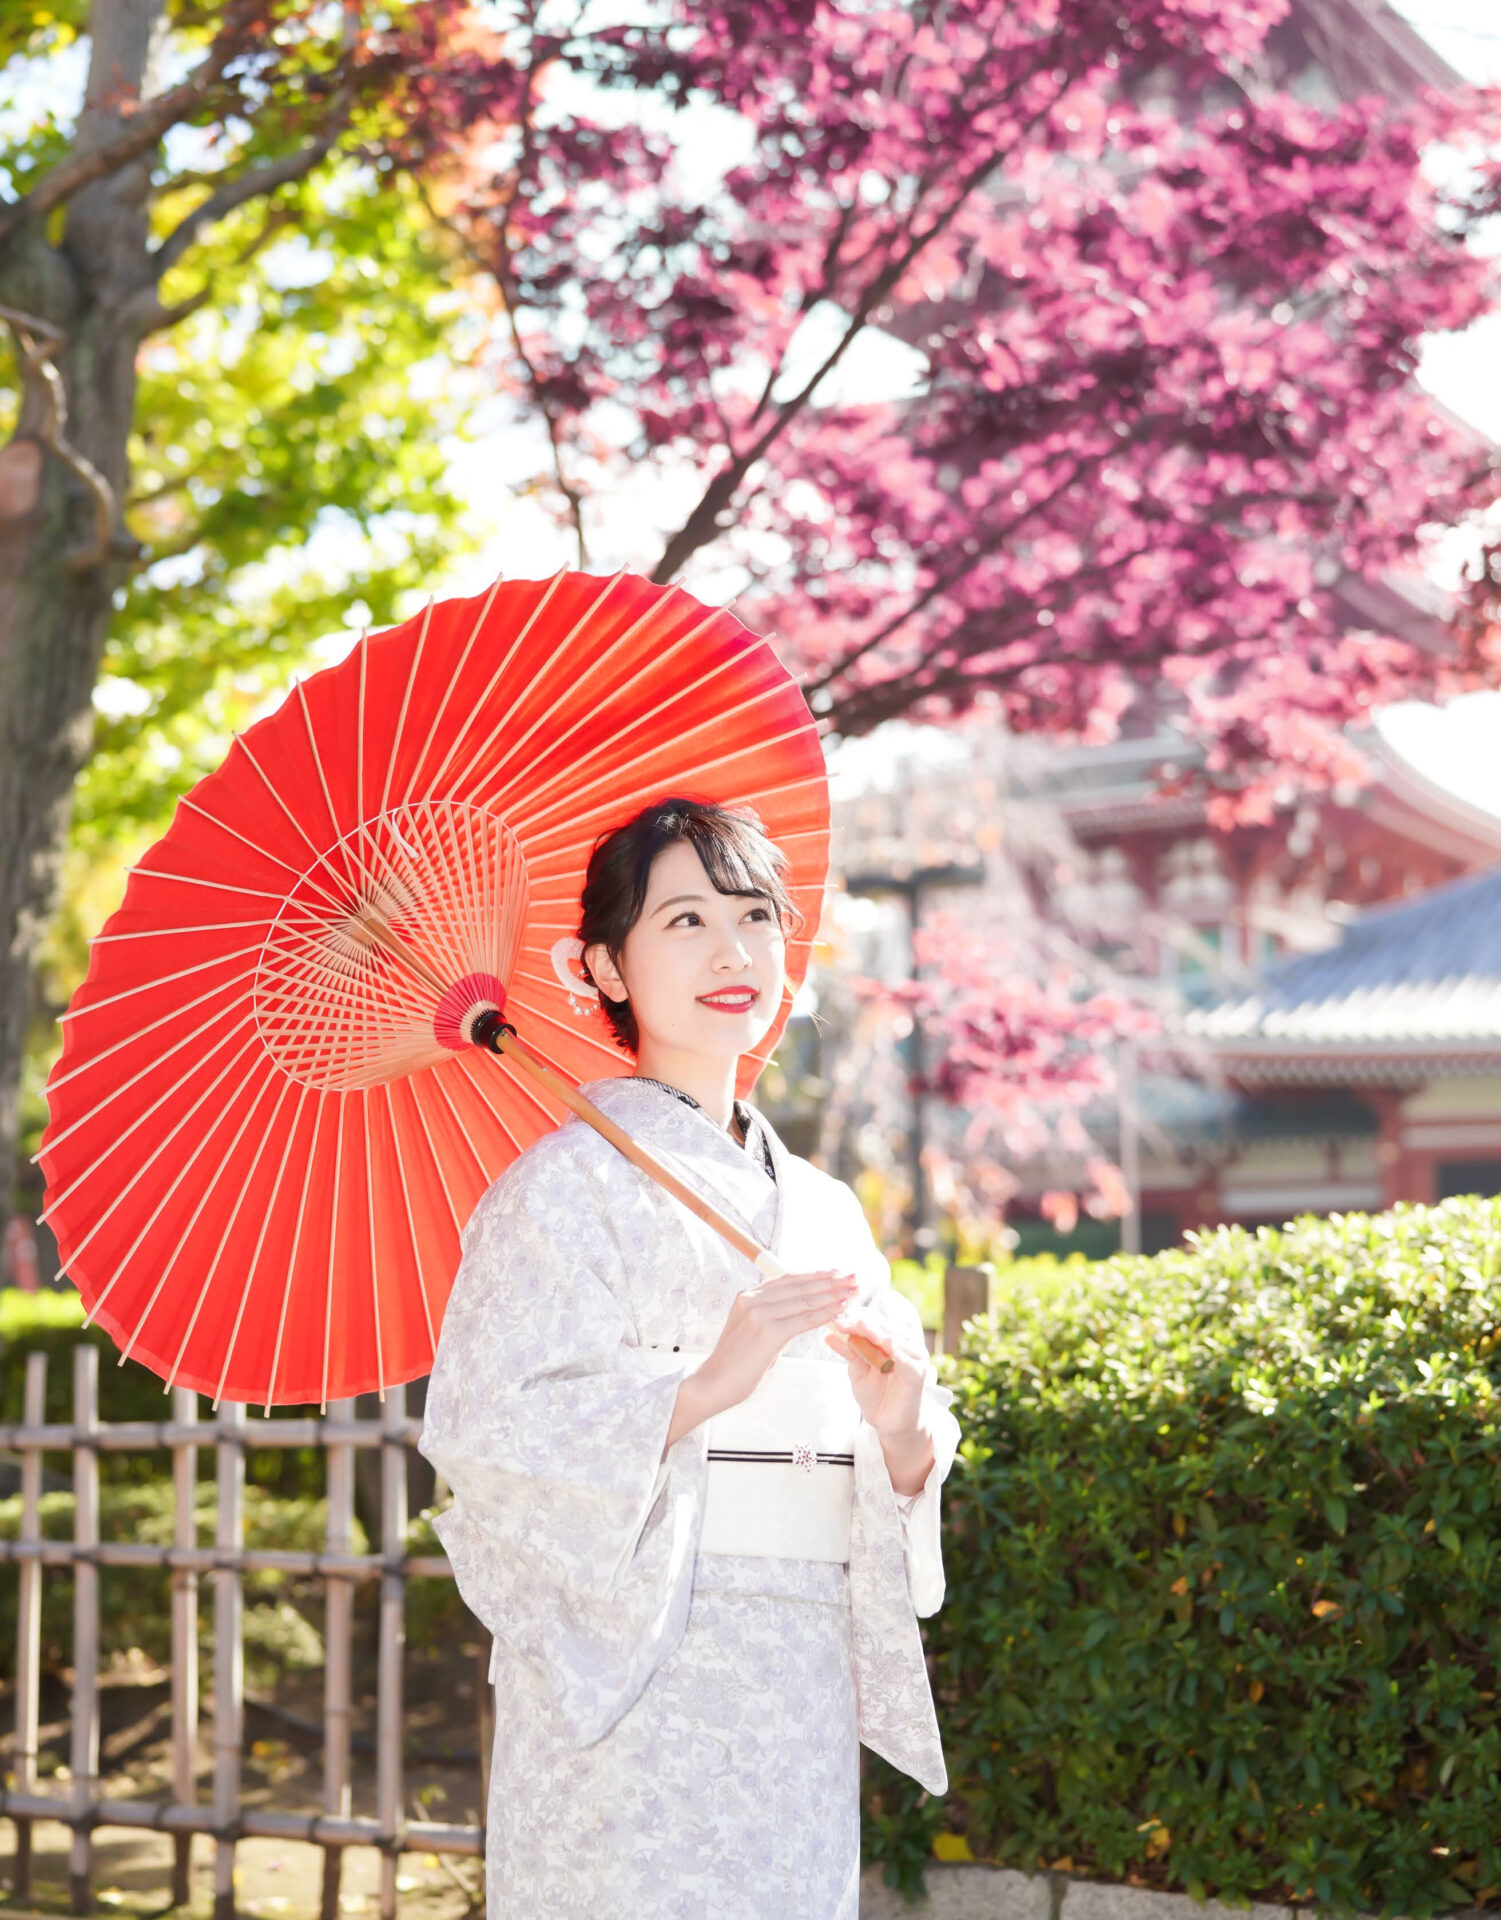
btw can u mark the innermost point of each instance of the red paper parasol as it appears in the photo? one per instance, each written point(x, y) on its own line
point(269, 1125)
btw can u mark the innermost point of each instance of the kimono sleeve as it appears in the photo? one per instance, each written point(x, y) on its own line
point(571, 1538)
point(920, 1512)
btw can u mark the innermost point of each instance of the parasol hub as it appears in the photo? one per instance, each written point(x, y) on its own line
point(391, 944)
point(462, 1005)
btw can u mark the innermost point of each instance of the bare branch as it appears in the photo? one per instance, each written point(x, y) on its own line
point(249, 186)
point(148, 315)
point(499, 269)
point(143, 129)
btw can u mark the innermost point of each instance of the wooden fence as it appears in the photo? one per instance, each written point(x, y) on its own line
point(217, 1811)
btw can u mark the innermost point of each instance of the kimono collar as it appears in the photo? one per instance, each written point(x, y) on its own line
point(705, 1155)
point(753, 1133)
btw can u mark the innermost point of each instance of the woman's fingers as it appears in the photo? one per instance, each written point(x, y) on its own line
point(817, 1314)
point(810, 1290)
point(791, 1285)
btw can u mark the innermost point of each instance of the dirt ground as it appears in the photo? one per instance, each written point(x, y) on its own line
point(283, 1761)
point(273, 1878)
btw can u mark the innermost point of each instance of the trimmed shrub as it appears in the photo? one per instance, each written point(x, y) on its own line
point(1224, 1571)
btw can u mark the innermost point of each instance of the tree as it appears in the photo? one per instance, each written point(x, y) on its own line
point(1165, 324)
point(182, 415)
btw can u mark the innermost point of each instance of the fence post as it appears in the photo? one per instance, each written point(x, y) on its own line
point(338, 1622)
point(29, 1618)
point(84, 1756)
point(184, 1640)
point(229, 1653)
point(393, 1544)
point(966, 1293)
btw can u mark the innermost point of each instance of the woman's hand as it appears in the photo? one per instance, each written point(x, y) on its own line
point(891, 1402)
point(762, 1319)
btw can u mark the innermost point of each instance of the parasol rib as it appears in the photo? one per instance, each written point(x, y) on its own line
point(638, 723)
point(404, 1189)
point(565, 642)
point(286, 1293)
point(496, 679)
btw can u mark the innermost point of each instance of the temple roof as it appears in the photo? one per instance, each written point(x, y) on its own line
point(1362, 46)
point(1409, 987)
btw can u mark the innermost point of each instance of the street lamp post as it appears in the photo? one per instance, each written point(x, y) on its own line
point(1127, 1081)
point(910, 885)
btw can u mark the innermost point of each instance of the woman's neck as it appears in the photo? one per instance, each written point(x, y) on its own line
point(710, 1081)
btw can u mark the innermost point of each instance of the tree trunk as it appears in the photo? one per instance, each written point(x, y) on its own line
point(57, 583)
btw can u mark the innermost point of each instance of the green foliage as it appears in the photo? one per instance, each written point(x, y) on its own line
point(922, 1283)
point(1224, 1564)
point(52, 1323)
point(296, 411)
point(32, 29)
point(290, 466)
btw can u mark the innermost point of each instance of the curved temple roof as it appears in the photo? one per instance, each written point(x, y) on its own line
point(1416, 982)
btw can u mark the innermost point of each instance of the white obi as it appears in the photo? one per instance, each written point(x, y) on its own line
point(781, 1471)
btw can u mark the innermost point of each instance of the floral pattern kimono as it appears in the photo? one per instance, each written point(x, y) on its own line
point(677, 1733)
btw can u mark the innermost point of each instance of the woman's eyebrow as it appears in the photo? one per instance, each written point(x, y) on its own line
point(698, 899)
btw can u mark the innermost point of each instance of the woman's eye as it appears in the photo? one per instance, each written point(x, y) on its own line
point(760, 913)
point(687, 918)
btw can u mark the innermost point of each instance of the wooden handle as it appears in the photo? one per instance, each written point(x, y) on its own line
point(503, 1041)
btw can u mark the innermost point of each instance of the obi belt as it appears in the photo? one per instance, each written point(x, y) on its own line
point(781, 1464)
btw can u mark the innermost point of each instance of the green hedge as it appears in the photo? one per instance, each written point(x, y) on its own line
point(1224, 1571)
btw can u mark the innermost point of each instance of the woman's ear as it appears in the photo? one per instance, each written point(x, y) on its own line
point(603, 971)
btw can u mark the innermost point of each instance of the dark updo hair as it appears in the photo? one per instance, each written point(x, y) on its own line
point(736, 855)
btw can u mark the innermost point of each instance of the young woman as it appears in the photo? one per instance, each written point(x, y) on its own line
point(692, 1634)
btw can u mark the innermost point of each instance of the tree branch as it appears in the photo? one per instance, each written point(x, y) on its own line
point(946, 579)
point(148, 314)
point(499, 269)
point(142, 131)
point(703, 523)
point(249, 186)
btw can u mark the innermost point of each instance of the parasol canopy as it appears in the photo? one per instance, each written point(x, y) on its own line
point(268, 1124)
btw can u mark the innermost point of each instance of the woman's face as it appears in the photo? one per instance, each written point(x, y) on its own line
point(702, 969)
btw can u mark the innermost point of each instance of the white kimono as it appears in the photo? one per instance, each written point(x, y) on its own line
point(677, 1734)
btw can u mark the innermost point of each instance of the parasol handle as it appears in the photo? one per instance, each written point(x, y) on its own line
point(491, 1032)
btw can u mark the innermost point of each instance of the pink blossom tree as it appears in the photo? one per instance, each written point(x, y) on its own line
point(1165, 322)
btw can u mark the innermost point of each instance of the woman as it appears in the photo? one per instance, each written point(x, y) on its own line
point(688, 1652)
